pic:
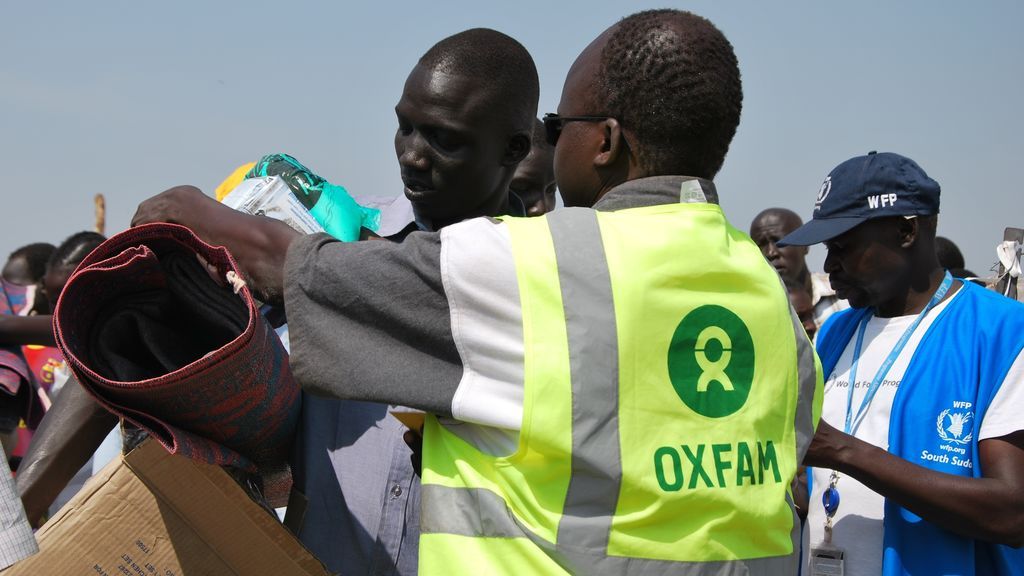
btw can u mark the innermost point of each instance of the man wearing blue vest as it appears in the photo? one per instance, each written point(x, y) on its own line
point(918, 467)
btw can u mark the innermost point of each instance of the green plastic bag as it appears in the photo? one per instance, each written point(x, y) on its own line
point(331, 205)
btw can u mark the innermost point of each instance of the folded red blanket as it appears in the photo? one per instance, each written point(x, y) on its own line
point(153, 329)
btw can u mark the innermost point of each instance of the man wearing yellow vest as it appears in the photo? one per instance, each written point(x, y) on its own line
point(619, 387)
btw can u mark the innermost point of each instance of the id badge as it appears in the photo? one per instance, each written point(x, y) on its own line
point(827, 560)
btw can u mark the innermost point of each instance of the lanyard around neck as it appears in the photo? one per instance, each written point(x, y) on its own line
point(852, 423)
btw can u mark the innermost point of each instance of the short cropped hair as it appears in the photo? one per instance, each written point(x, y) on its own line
point(539, 140)
point(672, 78)
point(499, 59)
point(72, 251)
point(35, 255)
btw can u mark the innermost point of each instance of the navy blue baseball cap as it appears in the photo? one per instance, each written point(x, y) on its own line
point(876, 185)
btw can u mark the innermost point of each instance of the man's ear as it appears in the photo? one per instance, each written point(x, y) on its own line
point(518, 147)
point(613, 145)
point(910, 229)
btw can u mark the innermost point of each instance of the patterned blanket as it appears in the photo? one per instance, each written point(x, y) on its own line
point(158, 327)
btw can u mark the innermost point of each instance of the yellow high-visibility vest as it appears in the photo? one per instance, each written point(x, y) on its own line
point(669, 396)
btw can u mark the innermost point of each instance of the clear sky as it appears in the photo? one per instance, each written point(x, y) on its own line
point(129, 98)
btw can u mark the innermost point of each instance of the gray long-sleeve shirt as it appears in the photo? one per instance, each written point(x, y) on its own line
point(372, 320)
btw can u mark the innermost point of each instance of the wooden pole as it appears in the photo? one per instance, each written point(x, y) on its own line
point(101, 213)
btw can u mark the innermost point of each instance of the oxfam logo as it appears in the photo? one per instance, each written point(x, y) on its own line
point(711, 361)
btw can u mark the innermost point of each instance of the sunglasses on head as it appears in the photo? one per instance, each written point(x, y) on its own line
point(553, 124)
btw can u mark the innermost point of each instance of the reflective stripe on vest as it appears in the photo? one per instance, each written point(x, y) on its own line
point(459, 502)
point(480, 513)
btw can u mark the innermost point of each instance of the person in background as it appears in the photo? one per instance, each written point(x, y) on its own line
point(920, 452)
point(948, 253)
point(25, 267)
point(42, 459)
point(533, 185)
point(64, 260)
point(21, 274)
point(38, 329)
point(952, 259)
point(800, 300)
point(790, 262)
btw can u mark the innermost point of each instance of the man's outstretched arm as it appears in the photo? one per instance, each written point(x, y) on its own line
point(258, 244)
point(22, 330)
point(369, 320)
point(989, 508)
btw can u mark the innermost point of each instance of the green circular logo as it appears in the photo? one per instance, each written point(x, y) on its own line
point(711, 361)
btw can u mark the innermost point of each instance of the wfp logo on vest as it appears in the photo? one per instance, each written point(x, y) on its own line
point(711, 361)
point(954, 424)
point(955, 428)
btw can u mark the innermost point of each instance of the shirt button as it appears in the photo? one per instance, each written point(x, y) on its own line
point(396, 491)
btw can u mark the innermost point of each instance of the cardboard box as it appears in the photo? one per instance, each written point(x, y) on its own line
point(150, 513)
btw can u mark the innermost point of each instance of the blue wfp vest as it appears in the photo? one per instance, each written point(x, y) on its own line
point(946, 390)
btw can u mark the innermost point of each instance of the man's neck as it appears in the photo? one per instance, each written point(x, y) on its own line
point(424, 223)
point(803, 278)
point(915, 298)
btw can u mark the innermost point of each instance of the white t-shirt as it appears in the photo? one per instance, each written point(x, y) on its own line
point(857, 525)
